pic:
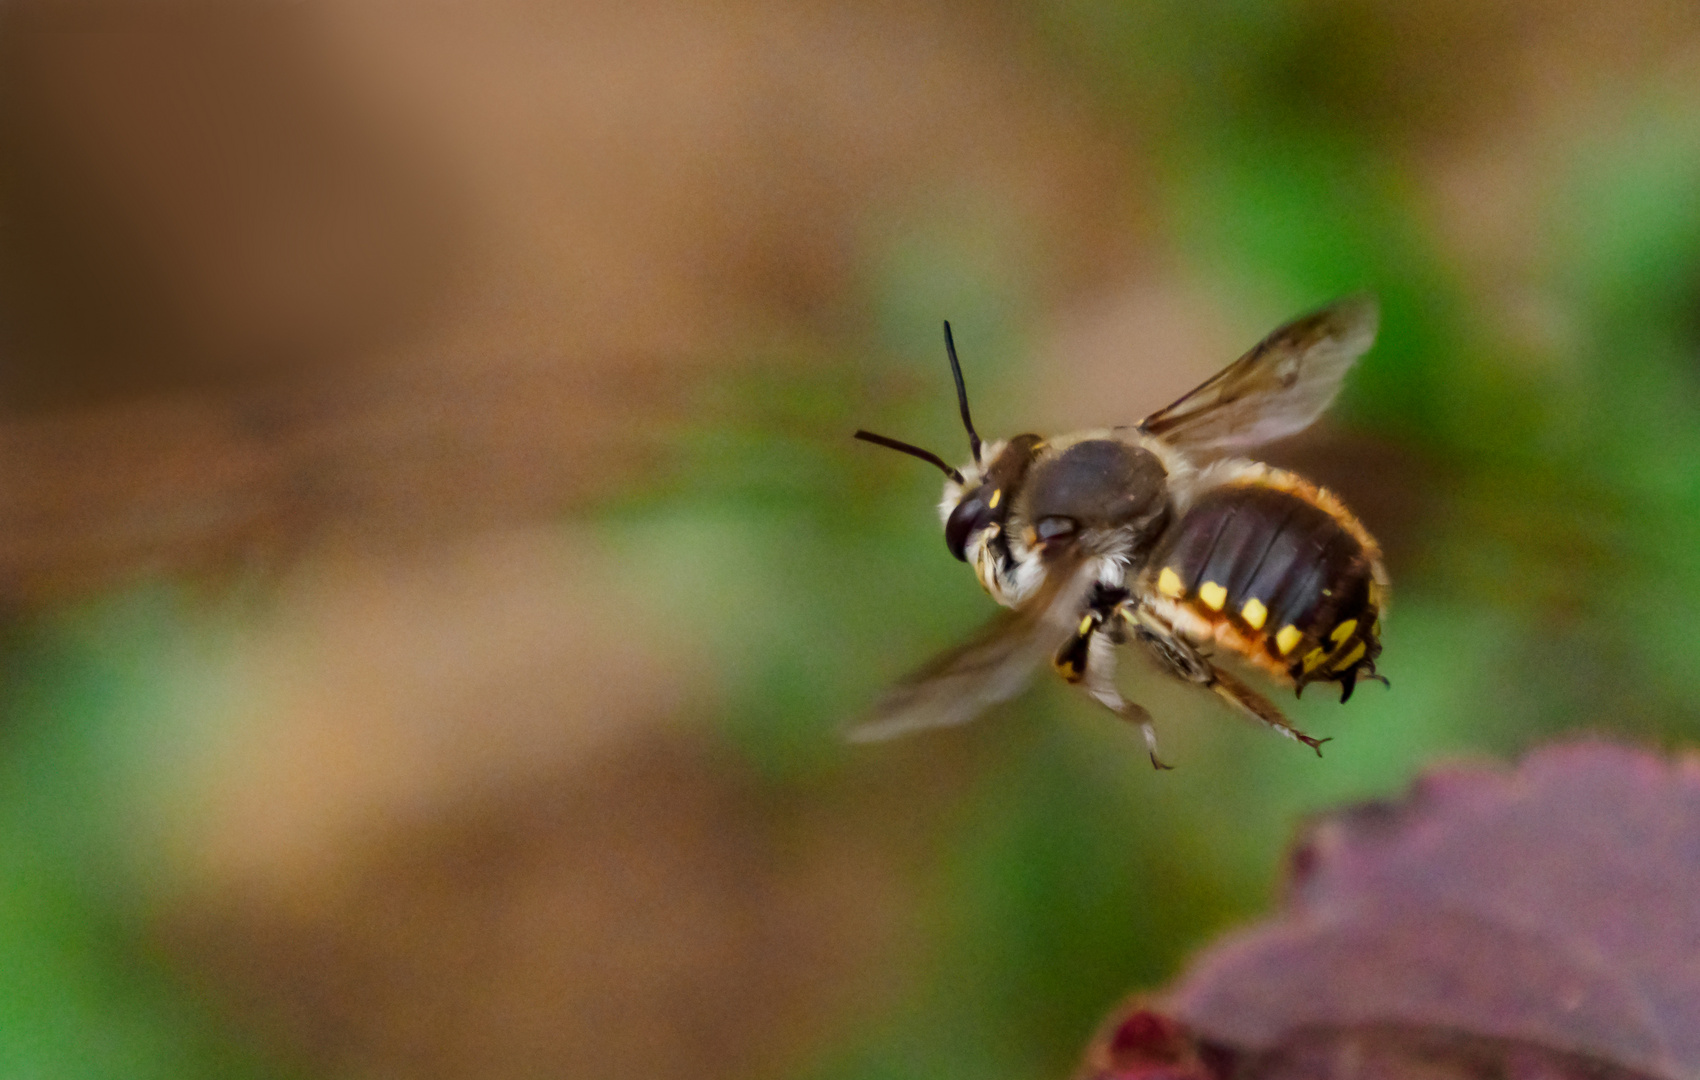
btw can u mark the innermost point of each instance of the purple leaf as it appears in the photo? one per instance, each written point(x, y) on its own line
point(1542, 922)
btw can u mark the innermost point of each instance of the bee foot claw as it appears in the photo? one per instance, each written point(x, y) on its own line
point(1313, 743)
point(1157, 763)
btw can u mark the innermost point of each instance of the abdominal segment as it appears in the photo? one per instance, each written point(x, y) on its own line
point(1275, 569)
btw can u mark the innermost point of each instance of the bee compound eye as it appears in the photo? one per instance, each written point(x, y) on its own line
point(970, 516)
point(1055, 527)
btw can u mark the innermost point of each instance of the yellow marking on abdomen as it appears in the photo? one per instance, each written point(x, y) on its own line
point(997, 497)
point(1343, 631)
point(1254, 613)
point(1288, 639)
point(1170, 584)
point(1213, 595)
point(1349, 659)
point(1313, 658)
point(1085, 626)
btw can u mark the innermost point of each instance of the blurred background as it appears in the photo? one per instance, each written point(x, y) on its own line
point(434, 562)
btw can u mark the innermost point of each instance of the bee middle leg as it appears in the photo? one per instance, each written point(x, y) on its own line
point(1184, 660)
point(1089, 658)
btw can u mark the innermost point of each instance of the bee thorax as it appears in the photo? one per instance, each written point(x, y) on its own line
point(1097, 483)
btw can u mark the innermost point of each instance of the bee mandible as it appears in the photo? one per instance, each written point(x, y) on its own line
point(1145, 535)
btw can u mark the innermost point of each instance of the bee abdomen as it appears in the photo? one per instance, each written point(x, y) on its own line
point(1278, 571)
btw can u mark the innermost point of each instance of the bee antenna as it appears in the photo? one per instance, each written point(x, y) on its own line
point(912, 450)
point(961, 392)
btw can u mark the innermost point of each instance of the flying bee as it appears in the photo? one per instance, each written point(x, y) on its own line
point(1146, 535)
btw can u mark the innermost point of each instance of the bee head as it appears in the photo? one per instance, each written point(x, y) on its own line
point(981, 500)
point(967, 511)
point(977, 496)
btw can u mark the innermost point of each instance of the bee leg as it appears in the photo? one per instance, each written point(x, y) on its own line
point(1100, 683)
point(1184, 660)
point(1071, 660)
point(1089, 657)
point(1258, 707)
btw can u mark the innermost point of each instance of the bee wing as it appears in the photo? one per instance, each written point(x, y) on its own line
point(992, 666)
point(1278, 388)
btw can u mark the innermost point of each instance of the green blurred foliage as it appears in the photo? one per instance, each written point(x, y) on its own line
point(1551, 588)
point(82, 992)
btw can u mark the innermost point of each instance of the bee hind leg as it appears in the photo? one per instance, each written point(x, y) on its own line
point(1185, 662)
point(1258, 707)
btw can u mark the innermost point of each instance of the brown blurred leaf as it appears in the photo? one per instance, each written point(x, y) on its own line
point(646, 913)
point(457, 821)
point(194, 191)
point(1543, 922)
point(381, 272)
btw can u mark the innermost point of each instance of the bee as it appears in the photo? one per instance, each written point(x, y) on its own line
point(1148, 535)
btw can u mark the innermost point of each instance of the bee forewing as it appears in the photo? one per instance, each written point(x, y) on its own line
point(960, 684)
point(1277, 389)
point(992, 666)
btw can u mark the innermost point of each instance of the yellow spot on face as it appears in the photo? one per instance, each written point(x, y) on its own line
point(1343, 631)
point(1170, 584)
point(1213, 595)
point(997, 497)
point(1350, 658)
point(1085, 626)
point(1288, 638)
point(1254, 613)
point(1314, 657)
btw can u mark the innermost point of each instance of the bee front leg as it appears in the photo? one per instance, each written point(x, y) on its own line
point(1089, 657)
point(1184, 660)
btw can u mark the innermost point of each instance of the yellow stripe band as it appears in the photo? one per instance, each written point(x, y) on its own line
point(1169, 584)
point(1213, 595)
point(1343, 631)
point(1288, 639)
point(1254, 613)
